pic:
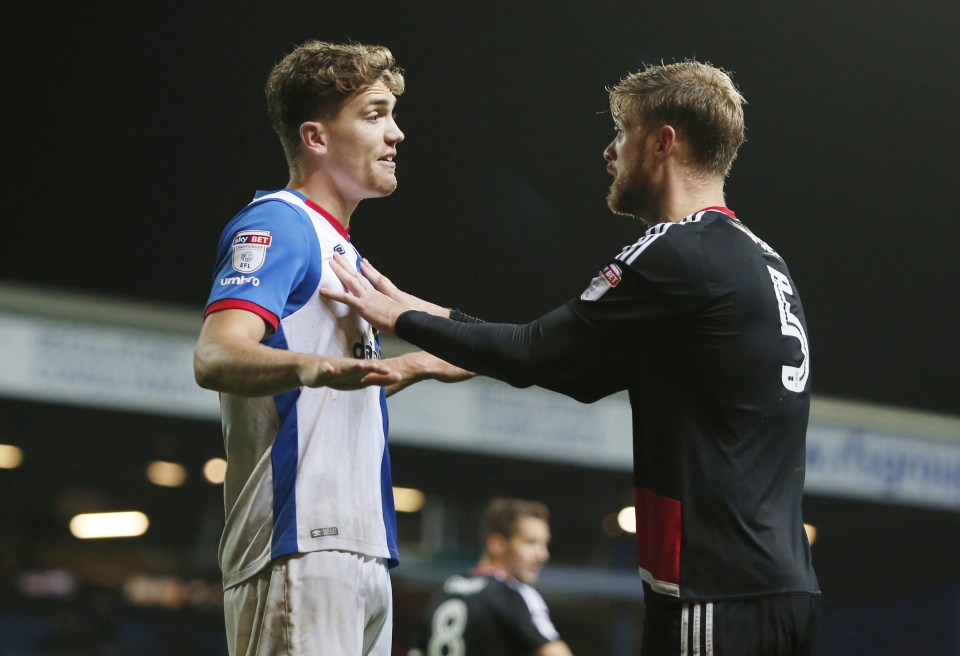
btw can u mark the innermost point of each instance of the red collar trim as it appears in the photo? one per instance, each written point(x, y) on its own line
point(345, 232)
point(490, 570)
point(718, 208)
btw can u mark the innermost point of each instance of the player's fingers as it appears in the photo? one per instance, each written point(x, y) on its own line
point(373, 367)
point(369, 271)
point(336, 295)
point(343, 272)
point(376, 278)
point(358, 379)
point(380, 282)
point(351, 279)
point(352, 373)
point(381, 379)
point(346, 271)
point(346, 276)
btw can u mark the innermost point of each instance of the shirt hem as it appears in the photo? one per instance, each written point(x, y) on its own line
point(305, 546)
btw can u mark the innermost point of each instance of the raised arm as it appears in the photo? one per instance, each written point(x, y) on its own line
point(386, 287)
point(559, 351)
point(377, 299)
point(230, 358)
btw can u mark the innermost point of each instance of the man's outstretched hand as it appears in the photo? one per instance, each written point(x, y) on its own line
point(374, 297)
point(346, 373)
point(383, 285)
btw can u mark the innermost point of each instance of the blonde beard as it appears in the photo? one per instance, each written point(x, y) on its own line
point(618, 200)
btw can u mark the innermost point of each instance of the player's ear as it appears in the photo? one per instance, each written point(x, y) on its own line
point(666, 141)
point(496, 544)
point(313, 137)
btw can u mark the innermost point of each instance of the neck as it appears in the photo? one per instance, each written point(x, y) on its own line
point(487, 561)
point(682, 197)
point(318, 188)
point(491, 570)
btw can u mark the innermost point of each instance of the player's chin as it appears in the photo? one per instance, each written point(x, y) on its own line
point(530, 577)
point(617, 205)
point(386, 186)
point(615, 202)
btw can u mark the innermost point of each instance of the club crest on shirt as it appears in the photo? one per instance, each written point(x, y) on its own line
point(250, 249)
point(609, 278)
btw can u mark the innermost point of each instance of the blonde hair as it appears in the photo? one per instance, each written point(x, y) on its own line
point(313, 80)
point(697, 99)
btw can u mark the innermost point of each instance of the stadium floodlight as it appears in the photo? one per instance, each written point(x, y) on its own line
point(166, 474)
point(406, 499)
point(215, 470)
point(127, 524)
point(10, 456)
point(627, 518)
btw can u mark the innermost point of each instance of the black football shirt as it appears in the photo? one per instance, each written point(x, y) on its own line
point(702, 324)
point(485, 613)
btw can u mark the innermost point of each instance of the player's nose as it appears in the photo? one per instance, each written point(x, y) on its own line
point(394, 135)
point(609, 153)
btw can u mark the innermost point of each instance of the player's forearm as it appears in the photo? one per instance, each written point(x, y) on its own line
point(496, 350)
point(550, 352)
point(249, 369)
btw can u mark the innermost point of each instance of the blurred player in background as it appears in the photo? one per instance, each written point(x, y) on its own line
point(701, 322)
point(493, 610)
point(310, 526)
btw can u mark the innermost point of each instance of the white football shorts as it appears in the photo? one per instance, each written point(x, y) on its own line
point(324, 603)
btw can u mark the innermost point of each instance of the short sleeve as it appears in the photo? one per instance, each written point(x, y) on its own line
point(528, 616)
point(267, 258)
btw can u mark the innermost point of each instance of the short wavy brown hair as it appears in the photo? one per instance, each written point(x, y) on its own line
point(698, 99)
point(502, 515)
point(313, 80)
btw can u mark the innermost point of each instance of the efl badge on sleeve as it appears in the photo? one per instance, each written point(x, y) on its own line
point(608, 278)
point(250, 249)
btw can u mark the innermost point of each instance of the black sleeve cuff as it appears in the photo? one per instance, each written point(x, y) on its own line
point(457, 315)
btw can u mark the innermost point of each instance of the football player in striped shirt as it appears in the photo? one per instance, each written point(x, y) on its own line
point(702, 323)
point(310, 527)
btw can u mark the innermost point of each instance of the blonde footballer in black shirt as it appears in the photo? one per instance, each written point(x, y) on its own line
point(708, 336)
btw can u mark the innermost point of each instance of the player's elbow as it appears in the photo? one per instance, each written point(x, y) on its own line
point(577, 388)
point(203, 373)
point(205, 370)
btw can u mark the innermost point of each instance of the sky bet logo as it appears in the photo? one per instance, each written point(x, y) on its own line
point(250, 250)
point(612, 274)
point(608, 279)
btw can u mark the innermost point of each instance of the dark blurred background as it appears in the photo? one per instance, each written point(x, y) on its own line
point(133, 131)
